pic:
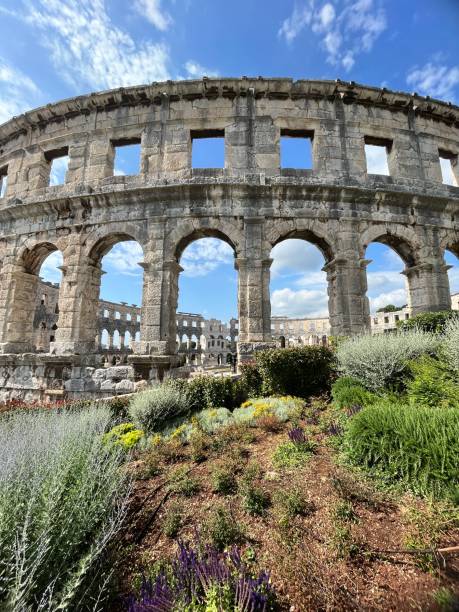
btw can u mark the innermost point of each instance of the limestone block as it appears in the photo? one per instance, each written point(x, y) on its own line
point(125, 386)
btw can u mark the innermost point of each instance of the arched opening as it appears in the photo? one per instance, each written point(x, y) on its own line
point(119, 256)
point(207, 291)
point(45, 261)
point(388, 290)
point(298, 289)
point(104, 339)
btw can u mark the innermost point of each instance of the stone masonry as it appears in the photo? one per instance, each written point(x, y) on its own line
point(252, 203)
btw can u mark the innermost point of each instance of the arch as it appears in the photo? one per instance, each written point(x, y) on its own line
point(127, 339)
point(188, 239)
point(400, 239)
point(310, 230)
point(137, 336)
point(116, 339)
point(104, 339)
point(99, 242)
point(32, 259)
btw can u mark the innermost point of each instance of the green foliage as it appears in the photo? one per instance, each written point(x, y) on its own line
point(118, 407)
point(212, 419)
point(432, 384)
point(434, 322)
point(182, 484)
point(172, 521)
point(255, 501)
point(221, 529)
point(446, 600)
point(299, 371)
point(153, 408)
point(348, 391)
point(210, 392)
point(223, 481)
point(124, 435)
point(251, 379)
point(344, 511)
point(416, 446)
point(451, 344)
point(63, 498)
point(379, 362)
point(389, 308)
point(290, 455)
point(291, 503)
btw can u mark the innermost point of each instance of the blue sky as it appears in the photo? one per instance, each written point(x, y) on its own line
point(52, 49)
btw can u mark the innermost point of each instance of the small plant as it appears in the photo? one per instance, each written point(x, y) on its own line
point(451, 344)
point(124, 435)
point(291, 504)
point(446, 600)
point(200, 443)
point(343, 543)
point(348, 391)
point(269, 423)
point(432, 384)
point(209, 580)
point(221, 529)
point(297, 436)
point(290, 455)
point(182, 484)
point(344, 512)
point(224, 481)
point(172, 521)
point(255, 501)
point(152, 409)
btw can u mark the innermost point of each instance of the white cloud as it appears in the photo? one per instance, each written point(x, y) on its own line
point(49, 270)
point(18, 92)
point(124, 259)
point(195, 70)
point(435, 79)
point(345, 34)
point(151, 10)
point(205, 255)
point(59, 169)
point(397, 297)
point(302, 303)
point(376, 158)
point(87, 48)
point(299, 19)
point(294, 256)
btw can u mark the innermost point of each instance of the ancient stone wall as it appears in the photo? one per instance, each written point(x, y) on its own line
point(252, 203)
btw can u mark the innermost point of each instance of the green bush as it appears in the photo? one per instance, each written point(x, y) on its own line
point(432, 384)
point(124, 435)
point(428, 321)
point(255, 501)
point(211, 392)
point(451, 344)
point(299, 371)
point(224, 481)
point(221, 529)
point(63, 498)
point(415, 446)
point(290, 455)
point(348, 391)
point(379, 362)
point(153, 408)
point(250, 380)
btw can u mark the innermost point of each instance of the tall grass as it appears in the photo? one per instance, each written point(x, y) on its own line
point(379, 361)
point(451, 344)
point(62, 499)
point(416, 446)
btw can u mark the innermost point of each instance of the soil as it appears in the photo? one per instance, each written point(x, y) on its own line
point(309, 570)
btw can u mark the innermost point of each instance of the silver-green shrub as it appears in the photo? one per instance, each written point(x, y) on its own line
point(451, 344)
point(378, 361)
point(151, 409)
point(63, 497)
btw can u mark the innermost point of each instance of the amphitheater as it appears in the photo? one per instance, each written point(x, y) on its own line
point(252, 204)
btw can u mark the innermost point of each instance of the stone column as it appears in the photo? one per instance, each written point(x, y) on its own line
point(348, 305)
point(159, 305)
point(428, 286)
point(17, 308)
point(78, 308)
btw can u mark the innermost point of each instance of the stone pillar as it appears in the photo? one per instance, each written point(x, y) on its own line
point(17, 308)
point(428, 286)
point(78, 308)
point(159, 305)
point(348, 304)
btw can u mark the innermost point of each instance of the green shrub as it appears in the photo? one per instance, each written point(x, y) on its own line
point(292, 503)
point(221, 529)
point(250, 380)
point(415, 446)
point(118, 407)
point(223, 481)
point(172, 521)
point(451, 344)
point(428, 321)
point(380, 361)
point(289, 454)
point(153, 408)
point(63, 498)
point(347, 391)
point(299, 371)
point(210, 392)
point(432, 384)
point(255, 501)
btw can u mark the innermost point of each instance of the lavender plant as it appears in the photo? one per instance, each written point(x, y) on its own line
point(62, 499)
point(210, 580)
point(297, 435)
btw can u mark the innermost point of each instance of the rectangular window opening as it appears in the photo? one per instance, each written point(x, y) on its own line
point(376, 153)
point(3, 181)
point(127, 156)
point(448, 163)
point(58, 161)
point(296, 149)
point(207, 148)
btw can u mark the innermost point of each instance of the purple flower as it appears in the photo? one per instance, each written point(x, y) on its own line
point(193, 574)
point(297, 436)
point(335, 429)
point(353, 410)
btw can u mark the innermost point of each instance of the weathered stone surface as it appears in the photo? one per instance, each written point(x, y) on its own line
point(251, 203)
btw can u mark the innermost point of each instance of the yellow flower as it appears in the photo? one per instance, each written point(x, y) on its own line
point(246, 404)
point(156, 440)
